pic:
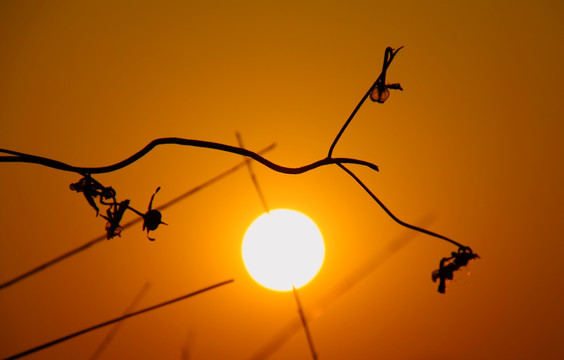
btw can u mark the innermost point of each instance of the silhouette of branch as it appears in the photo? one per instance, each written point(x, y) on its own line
point(378, 92)
point(127, 225)
point(121, 318)
point(379, 85)
point(27, 158)
point(395, 218)
point(211, 181)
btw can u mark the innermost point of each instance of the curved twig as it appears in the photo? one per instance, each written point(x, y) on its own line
point(358, 106)
point(395, 218)
point(27, 158)
point(329, 160)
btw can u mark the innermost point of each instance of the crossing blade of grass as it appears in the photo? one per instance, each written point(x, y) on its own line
point(304, 324)
point(121, 318)
point(110, 335)
point(253, 177)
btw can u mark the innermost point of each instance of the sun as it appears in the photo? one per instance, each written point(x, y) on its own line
point(283, 248)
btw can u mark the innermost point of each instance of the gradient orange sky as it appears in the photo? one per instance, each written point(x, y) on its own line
point(476, 141)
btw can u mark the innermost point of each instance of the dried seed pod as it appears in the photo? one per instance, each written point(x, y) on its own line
point(114, 214)
point(152, 218)
point(380, 92)
point(449, 265)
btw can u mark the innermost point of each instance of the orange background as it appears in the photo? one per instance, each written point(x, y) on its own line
point(475, 141)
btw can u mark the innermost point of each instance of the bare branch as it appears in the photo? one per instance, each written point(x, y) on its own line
point(27, 158)
point(395, 218)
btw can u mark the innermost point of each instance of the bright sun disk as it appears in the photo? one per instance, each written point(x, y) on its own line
point(282, 248)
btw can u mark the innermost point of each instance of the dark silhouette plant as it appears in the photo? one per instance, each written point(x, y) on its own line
point(378, 92)
point(98, 195)
point(449, 265)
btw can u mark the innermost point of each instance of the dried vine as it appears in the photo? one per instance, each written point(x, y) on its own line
point(152, 218)
point(98, 195)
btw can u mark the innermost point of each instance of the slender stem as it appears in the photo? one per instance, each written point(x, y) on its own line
point(358, 106)
point(389, 55)
point(395, 218)
point(109, 322)
point(135, 211)
point(21, 157)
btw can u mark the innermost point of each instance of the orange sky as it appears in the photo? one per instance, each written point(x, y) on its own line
point(475, 142)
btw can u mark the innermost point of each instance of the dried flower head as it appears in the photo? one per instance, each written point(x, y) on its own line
point(449, 265)
point(114, 214)
point(92, 189)
point(380, 92)
point(152, 218)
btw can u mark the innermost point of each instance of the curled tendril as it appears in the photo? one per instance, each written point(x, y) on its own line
point(380, 92)
point(449, 265)
point(92, 189)
point(152, 218)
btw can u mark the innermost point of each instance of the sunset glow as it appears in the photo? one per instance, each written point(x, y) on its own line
point(471, 148)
